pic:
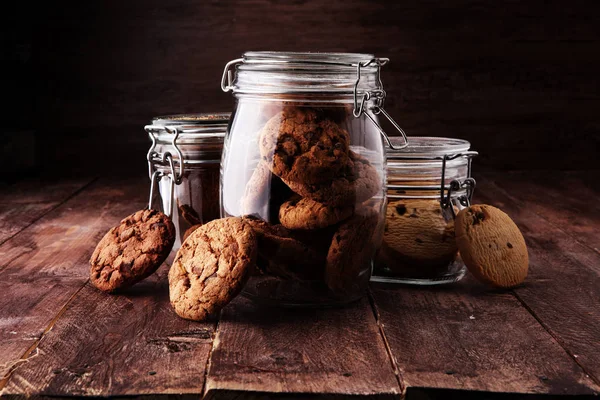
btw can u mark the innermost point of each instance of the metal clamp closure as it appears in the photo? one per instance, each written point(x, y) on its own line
point(166, 159)
point(456, 185)
point(379, 96)
point(227, 78)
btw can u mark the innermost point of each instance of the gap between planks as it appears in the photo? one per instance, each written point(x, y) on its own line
point(37, 342)
point(491, 178)
point(556, 337)
point(388, 349)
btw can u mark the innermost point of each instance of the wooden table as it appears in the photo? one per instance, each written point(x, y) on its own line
point(61, 337)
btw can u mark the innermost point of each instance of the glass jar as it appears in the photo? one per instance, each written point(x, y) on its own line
point(189, 190)
point(303, 164)
point(419, 245)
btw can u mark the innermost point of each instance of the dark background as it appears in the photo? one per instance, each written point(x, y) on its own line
point(519, 79)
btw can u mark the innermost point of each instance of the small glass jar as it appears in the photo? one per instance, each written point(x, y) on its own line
point(303, 163)
point(189, 190)
point(419, 245)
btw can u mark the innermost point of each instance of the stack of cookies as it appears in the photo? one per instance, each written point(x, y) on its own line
point(307, 200)
point(309, 216)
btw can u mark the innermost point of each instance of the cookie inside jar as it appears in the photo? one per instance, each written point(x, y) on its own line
point(428, 183)
point(312, 188)
point(303, 162)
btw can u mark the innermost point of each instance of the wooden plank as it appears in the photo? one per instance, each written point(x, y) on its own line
point(563, 286)
point(23, 203)
point(467, 337)
point(314, 351)
point(47, 263)
point(565, 199)
point(129, 344)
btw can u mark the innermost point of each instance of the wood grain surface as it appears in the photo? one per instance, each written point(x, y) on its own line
point(130, 344)
point(61, 337)
point(328, 351)
point(567, 200)
point(21, 204)
point(466, 336)
point(563, 287)
point(519, 80)
point(43, 266)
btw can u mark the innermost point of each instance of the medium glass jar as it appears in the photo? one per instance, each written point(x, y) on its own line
point(419, 245)
point(303, 164)
point(189, 190)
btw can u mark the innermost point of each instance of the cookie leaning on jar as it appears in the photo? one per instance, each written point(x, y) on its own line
point(429, 219)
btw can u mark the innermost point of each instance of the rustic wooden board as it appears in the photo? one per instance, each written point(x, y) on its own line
point(21, 204)
point(328, 351)
point(47, 263)
point(567, 200)
point(465, 336)
point(563, 286)
point(129, 344)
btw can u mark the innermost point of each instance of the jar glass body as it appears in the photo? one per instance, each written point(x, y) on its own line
point(310, 178)
point(189, 195)
point(419, 245)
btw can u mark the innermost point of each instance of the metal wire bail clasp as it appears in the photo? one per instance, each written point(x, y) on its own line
point(227, 78)
point(379, 96)
point(456, 185)
point(165, 160)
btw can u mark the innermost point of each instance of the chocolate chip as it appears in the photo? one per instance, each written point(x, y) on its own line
point(401, 209)
point(478, 217)
point(510, 246)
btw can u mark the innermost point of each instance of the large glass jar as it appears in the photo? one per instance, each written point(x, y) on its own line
point(306, 173)
point(428, 182)
point(184, 162)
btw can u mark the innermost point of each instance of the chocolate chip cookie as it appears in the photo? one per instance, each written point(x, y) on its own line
point(347, 270)
point(132, 251)
point(300, 147)
point(357, 182)
point(492, 246)
point(211, 267)
point(264, 194)
point(189, 231)
point(418, 235)
point(282, 255)
point(304, 213)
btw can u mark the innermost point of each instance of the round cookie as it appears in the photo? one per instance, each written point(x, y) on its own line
point(339, 113)
point(299, 147)
point(492, 246)
point(357, 182)
point(256, 195)
point(303, 213)
point(132, 251)
point(264, 194)
point(282, 255)
point(348, 260)
point(211, 267)
point(417, 234)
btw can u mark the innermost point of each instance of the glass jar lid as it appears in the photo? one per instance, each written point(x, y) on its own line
point(191, 128)
point(272, 72)
point(195, 139)
point(427, 167)
point(426, 147)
